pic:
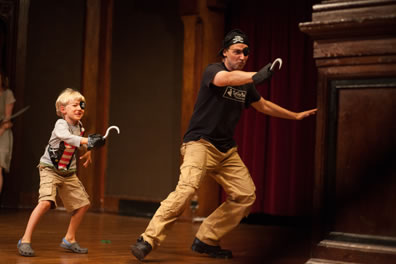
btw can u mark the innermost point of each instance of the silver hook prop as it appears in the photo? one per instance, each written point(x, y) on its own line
point(110, 128)
point(279, 60)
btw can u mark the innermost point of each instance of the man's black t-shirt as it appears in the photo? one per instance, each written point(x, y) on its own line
point(218, 109)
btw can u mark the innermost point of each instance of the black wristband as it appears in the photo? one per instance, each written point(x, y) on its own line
point(262, 75)
point(95, 140)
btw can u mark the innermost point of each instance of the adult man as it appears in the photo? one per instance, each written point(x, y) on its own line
point(209, 148)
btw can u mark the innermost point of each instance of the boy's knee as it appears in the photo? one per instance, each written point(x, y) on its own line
point(82, 209)
point(86, 207)
point(46, 205)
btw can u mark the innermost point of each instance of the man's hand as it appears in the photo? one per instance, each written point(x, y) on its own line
point(95, 141)
point(87, 158)
point(305, 114)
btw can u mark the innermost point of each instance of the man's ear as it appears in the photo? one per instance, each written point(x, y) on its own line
point(224, 52)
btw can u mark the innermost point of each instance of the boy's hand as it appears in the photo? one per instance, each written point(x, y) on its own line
point(87, 157)
point(95, 140)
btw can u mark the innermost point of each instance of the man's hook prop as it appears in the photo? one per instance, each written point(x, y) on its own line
point(278, 60)
point(110, 128)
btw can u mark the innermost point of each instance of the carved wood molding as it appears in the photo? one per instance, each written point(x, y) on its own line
point(334, 5)
point(352, 19)
point(350, 27)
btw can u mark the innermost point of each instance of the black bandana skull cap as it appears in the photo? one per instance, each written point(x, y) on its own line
point(233, 37)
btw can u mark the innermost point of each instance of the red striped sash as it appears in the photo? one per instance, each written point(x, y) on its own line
point(67, 155)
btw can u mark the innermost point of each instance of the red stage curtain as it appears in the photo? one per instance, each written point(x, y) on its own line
point(279, 153)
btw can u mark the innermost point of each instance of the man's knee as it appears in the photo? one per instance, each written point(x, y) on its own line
point(251, 198)
point(186, 190)
point(247, 202)
point(246, 199)
point(177, 199)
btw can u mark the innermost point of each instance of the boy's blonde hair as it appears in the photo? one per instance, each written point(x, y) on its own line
point(65, 97)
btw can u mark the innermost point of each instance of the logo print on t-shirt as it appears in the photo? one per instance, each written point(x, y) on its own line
point(234, 94)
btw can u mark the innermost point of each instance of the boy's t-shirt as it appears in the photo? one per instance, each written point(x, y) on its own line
point(66, 133)
point(218, 110)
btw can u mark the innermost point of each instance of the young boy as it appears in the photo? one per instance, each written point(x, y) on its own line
point(58, 171)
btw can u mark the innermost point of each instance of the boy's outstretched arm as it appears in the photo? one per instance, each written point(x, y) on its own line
point(84, 141)
point(93, 141)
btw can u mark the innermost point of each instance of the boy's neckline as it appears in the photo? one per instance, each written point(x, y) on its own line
point(76, 124)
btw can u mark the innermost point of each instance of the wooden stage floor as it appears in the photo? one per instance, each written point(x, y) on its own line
point(109, 236)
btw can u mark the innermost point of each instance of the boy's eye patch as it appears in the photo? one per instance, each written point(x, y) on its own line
point(82, 105)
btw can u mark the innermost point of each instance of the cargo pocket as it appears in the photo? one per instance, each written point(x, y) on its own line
point(46, 187)
point(193, 168)
point(83, 190)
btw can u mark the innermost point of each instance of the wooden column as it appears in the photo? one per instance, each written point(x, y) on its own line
point(355, 173)
point(203, 32)
point(96, 89)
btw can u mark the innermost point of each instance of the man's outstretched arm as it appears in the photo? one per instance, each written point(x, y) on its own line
point(232, 78)
point(269, 108)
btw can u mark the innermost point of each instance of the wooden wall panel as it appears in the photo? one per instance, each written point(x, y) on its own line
point(145, 94)
point(355, 186)
point(205, 25)
point(364, 184)
point(96, 87)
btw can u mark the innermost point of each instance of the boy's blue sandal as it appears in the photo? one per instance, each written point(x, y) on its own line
point(74, 247)
point(25, 249)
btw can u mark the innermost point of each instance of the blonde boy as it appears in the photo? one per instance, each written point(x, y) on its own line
point(57, 170)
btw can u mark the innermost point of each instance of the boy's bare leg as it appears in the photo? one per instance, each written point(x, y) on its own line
point(75, 221)
point(34, 218)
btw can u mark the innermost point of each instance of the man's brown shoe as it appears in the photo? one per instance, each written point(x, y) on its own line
point(141, 249)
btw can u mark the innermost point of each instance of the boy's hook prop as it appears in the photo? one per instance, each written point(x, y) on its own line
point(110, 128)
